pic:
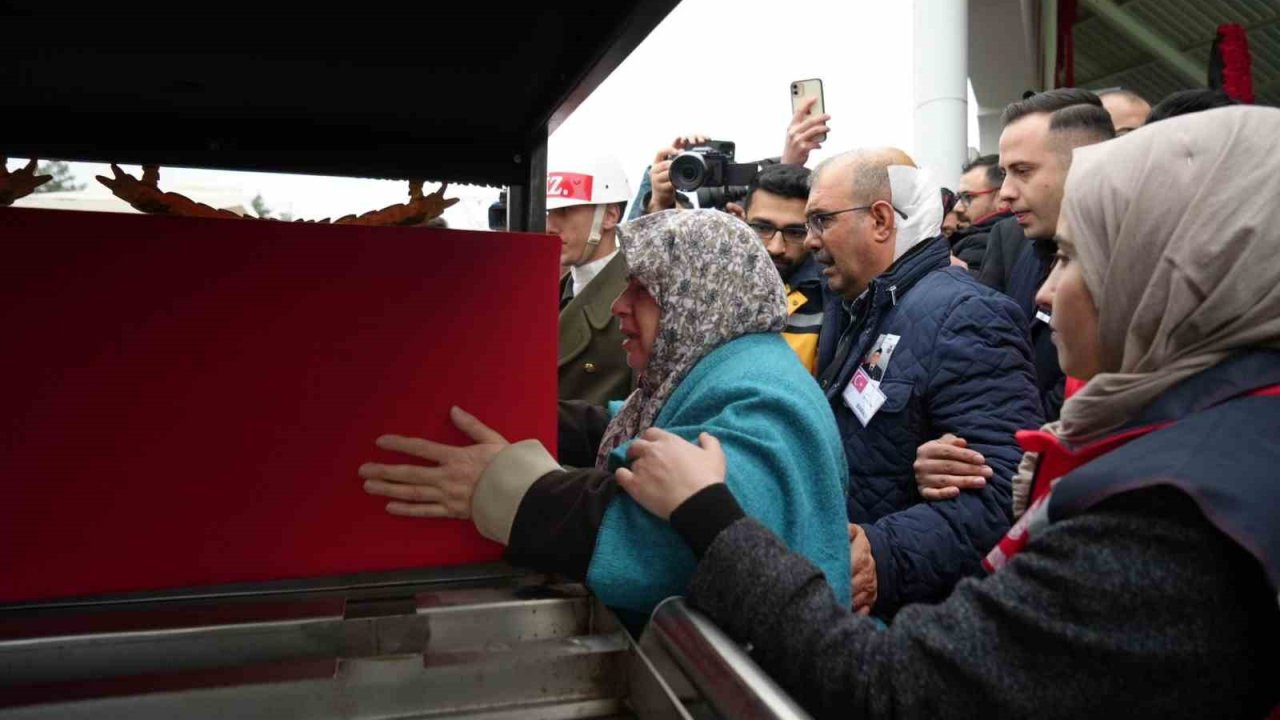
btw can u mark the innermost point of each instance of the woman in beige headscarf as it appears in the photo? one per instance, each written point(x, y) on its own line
point(1143, 582)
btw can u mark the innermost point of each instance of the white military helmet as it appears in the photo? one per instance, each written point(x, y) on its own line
point(599, 182)
point(595, 182)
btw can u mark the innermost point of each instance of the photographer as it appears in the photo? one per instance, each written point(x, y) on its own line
point(662, 193)
point(695, 163)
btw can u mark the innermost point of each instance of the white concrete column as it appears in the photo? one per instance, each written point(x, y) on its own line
point(940, 47)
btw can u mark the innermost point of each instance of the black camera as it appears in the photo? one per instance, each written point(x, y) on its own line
point(710, 170)
point(710, 165)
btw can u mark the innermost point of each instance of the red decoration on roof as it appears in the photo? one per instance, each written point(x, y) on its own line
point(1230, 67)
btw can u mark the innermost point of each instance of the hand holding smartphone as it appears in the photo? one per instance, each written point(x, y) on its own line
point(805, 90)
point(808, 129)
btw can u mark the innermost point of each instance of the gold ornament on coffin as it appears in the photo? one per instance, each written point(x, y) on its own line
point(19, 183)
point(146, 196)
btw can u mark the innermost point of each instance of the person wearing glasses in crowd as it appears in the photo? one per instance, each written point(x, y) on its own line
point(978, 208)
point(774, 208)
point(961, 364)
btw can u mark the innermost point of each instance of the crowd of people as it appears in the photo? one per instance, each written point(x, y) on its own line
point(1005, 449)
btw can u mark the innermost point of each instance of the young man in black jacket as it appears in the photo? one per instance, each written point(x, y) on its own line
point(1039, 136)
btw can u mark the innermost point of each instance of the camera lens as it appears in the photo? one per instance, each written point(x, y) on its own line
point(718, 197)
point(688, 171)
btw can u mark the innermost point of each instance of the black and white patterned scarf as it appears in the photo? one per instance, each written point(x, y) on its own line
point(713, 282)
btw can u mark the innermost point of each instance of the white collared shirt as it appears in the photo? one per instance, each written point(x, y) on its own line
point(584, 274)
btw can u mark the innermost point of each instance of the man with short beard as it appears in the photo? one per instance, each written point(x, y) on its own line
point(774, 208)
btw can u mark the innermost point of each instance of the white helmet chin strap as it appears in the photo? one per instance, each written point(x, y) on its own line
point(593, 240)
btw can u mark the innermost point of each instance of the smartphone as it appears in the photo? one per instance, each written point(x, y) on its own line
point(802, 90)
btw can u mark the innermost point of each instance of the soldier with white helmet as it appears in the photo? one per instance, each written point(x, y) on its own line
point(585, 203)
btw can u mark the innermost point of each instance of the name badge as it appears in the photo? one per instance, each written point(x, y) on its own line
point(863, 396)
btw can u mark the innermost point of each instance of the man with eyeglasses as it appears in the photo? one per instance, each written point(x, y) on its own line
point(774, 208)
point(960, 364)
point(978, 208)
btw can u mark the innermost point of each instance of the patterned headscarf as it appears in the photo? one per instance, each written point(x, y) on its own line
point(713, 282)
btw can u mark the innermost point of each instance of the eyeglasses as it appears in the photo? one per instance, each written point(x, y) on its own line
point(820, 222)
point(967, 197)
point(791, 234)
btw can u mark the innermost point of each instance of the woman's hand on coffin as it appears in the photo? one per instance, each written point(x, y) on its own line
point(440, 490)
point(666, 469)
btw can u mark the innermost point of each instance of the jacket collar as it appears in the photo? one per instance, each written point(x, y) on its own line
point(982, 224)
point(597, 297)
point(919, 261)
point(882, 294)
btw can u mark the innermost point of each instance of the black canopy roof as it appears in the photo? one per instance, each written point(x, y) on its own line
point(464, 92)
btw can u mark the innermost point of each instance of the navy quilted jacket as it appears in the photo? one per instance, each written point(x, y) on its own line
point(962, 365)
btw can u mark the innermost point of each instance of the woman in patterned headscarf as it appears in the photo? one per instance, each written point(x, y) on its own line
point(702, 314)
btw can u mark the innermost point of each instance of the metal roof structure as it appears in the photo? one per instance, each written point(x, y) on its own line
point(460, 92)
point(1152, 47)
point(1106, 57)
